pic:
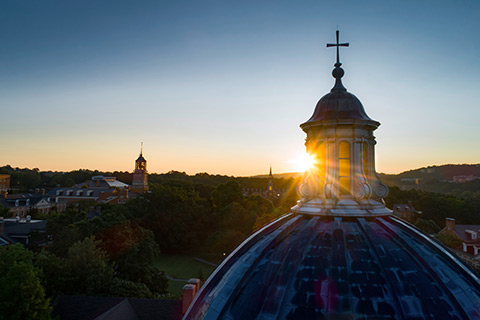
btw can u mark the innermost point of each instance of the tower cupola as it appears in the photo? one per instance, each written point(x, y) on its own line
point(140, 174)
point(340, 139)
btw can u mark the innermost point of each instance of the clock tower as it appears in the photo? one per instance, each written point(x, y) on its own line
point(140, 175)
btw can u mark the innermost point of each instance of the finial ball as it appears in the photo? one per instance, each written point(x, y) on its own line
point(338, 72)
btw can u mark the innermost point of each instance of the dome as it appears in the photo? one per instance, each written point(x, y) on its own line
point(338, 105)
point(314, 267)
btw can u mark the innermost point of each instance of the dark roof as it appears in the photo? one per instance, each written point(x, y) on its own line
point(102, 182)
point(85, 192)
point(5, 240)
point(140, 159)
point(23, 228)
point(460, 232)
point(316, 267)
point(88, 308)
point(11, 199)
point(339, 105)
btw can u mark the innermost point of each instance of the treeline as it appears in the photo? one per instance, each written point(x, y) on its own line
point(436, 206)
point(26, 180)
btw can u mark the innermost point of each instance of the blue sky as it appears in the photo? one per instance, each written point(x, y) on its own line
point(221, 86)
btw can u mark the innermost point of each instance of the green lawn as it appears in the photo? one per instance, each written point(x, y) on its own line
point(182, 267)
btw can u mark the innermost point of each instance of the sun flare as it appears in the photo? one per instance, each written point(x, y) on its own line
point(304, 162)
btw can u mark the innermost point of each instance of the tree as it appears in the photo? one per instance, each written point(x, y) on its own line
point(126, 288)
point(429, 226)
point(89, 268)
point(133, 249)
point(52, 273)
point(4, 211)
point(226, 193)
point(449, 240)
point(21, 294)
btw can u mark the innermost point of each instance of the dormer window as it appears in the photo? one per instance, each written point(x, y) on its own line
point(471, 235)
point(69, 192)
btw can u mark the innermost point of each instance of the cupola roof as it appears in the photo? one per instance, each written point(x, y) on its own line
point(338, 104)
point(140, 157)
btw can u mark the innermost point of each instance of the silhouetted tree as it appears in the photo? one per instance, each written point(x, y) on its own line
point(21, 294)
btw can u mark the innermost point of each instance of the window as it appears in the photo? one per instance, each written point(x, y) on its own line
point(344, 167)
point(321, 159)
point(365, 159)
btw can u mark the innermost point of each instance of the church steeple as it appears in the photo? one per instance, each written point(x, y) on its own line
point(340, 138)
point(270, 183)
point(141, 163)
point(140, 175)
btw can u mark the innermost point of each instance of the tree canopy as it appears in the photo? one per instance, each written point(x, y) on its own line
point(22, 296)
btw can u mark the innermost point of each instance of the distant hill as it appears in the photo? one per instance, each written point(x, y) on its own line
point(432, 179)
point(441, 172)
point(433, 173)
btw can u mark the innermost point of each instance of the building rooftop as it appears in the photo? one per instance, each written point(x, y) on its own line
point(112, 308)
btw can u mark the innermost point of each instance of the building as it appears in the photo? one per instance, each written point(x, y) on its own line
point(140, 174)
point(22, 204)
point(17, 230)
point(73, 196)
point(270, 192)
point(97, 190)
point(461, 179)
point(469, 236)
point(411, 183)
point(340, 253)
point(102, 182)
point(4, 183)
point(406, 211)
point(113, 308)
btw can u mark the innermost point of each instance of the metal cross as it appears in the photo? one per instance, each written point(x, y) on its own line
point(338, 45)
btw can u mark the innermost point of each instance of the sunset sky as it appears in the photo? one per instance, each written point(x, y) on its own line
point(222, 86)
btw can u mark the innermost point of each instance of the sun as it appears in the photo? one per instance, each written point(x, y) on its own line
point(303, 162)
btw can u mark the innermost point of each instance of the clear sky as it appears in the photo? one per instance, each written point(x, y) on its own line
point(222, 86)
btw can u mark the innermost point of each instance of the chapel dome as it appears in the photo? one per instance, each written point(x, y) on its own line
point(340, 254)
point(314, 267)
